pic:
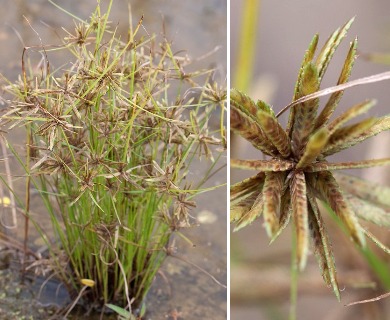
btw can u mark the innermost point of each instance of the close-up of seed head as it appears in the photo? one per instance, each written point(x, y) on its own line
point(294, 174)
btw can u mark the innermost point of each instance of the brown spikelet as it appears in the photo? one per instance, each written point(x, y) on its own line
point(334, 99)
point(323, 165)
point(351, 113)
point(249, 129)
point(309, 54)
point(330, 47)
point(243, 185)
point(344, 137)
point(275, 133)
point(272, 193)
point(285, 213)
point(262, 165)
point(255, 211)
point(299, 206)
point(369, 212)
point(370, 191)
point(328, 190)
point(306, 112)
point(322, 246)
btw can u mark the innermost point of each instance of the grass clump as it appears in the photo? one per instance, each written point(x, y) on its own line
point(110, 141)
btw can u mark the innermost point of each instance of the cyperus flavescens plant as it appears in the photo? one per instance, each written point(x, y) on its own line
point(296, 172)
point(111, 136)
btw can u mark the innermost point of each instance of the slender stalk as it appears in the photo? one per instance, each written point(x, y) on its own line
point(246, 45)
point(27, 203)
point(294, 279)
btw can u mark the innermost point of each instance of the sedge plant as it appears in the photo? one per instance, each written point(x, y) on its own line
point(111, 140)
point(296, 174)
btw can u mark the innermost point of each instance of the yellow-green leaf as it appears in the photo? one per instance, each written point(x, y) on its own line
point(314, 147)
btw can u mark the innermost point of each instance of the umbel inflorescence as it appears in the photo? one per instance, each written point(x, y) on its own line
point(296, 173)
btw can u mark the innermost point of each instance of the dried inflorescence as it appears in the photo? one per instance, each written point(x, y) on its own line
point(296, 173)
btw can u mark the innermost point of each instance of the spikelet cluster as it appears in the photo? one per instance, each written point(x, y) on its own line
point(296, 174)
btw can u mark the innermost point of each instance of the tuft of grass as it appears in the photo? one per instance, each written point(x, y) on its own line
point(111, 139)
